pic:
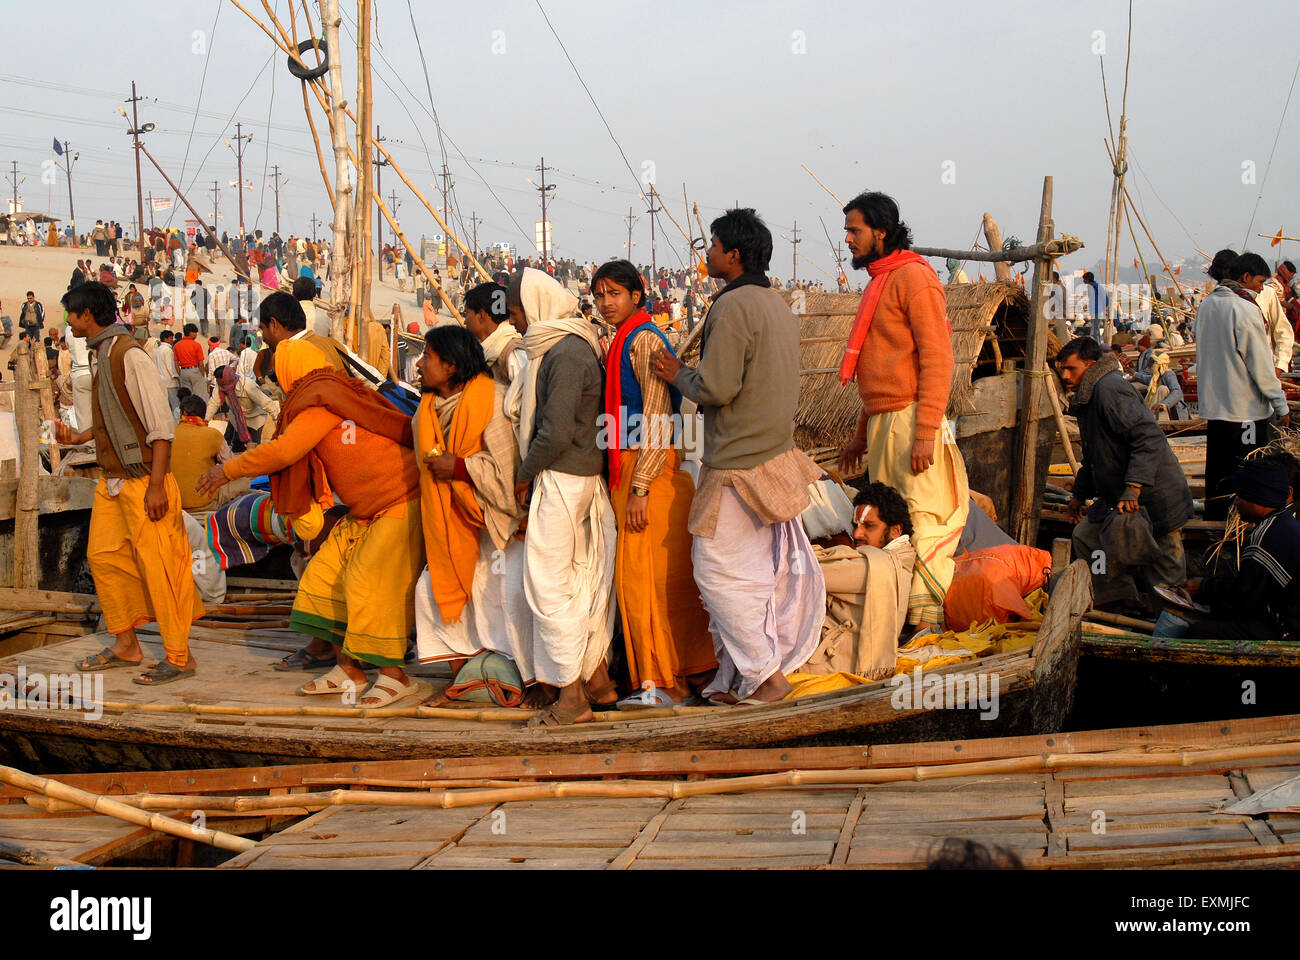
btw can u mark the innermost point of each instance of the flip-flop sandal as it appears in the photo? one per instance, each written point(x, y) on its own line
point(389, 690)
point(557, 716)
point(302, 659)
point(649, 698)
point(164, 671)
point(336, 682)
point(107, 661)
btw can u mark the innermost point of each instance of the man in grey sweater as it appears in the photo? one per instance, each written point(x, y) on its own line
point(569, 546)
point(1237, 387)
point(758, 577)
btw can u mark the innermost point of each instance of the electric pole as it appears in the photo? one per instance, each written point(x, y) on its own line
point(654, 263)
point(135, 134)
point(475, 220)
point(392, 208)
point(546, 227)
point(314, 220)
point(150, 199)
point(380, 163)
point(15, 183)
point(630, 221)
point(276, 169)
point(72, 214)
point(241, 139)
point(794, 244)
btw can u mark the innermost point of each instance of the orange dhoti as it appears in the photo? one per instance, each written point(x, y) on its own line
point(143, 569)
point(665, 627)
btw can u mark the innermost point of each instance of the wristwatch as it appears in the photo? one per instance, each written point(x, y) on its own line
point(640, 492)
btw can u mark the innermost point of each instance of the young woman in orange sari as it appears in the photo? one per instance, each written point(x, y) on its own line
point(665, 628)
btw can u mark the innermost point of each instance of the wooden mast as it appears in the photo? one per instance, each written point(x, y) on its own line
point(340, 275)
point(362, 262)
point(1024, 508)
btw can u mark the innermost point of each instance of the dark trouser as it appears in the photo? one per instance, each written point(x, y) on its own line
point(99, 248)
point(1225, 447)
point(1112, 581)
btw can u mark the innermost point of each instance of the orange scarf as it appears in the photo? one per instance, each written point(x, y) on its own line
point(614, 389)
point(880, 271)
point(449, 511)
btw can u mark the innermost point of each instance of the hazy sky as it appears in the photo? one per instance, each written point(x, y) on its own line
point(954, 108)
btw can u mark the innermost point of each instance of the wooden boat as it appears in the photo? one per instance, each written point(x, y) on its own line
point(1162, 793)
point(239, 712)
point(1182, 679)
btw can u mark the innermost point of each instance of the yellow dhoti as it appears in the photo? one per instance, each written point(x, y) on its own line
point(937, 499)
point(665, 628)
point(358, 591)
point(142, 569)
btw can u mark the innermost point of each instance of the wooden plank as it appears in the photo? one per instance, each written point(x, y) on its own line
point(801, 861)
point(667, 850)
point(1054, 802)
point(1206, 833)
point(846, 830)
point(647, 835)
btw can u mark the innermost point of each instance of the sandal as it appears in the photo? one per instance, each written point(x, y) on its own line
point(557, 716)
point(593, 697)
point(302, 659)
point(106, 659)
point(336, 681)
point(164, 671)
point(388, 690)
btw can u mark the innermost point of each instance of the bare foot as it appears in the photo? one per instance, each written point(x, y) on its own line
point(539, 696)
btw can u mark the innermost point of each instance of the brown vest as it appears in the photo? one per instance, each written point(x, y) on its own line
point(104, 452)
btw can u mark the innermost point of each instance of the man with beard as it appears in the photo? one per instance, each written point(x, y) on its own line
point(900, 352)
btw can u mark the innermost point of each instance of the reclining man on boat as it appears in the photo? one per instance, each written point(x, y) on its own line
point(1139, 494)
point(138, 551)
point(335, 435)
point(1258, 603)
point(470, 598)
point(867, 587)
point(758, 578)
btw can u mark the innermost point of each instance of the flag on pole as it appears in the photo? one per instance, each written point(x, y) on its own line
point(58, 148)
point(1277, 239)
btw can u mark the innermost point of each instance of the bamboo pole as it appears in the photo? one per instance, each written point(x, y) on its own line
point(1054, 248)
point(822, 185)
point(121, 811)
point(27, 505)
point(338, 271)
point(419, 261)
point(1060, 422)
point(993, 235)
point(363, 262)
point(716, 786)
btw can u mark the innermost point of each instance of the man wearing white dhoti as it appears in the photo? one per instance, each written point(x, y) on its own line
point(571, 535)
point(758, 577)
point(471, 597)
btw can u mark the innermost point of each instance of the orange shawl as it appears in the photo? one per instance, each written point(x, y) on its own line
point(297, 486)
point(880, 271)
point(450, 512)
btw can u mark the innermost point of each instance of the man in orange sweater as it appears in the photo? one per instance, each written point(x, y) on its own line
point(336, 436)
point(900, 352)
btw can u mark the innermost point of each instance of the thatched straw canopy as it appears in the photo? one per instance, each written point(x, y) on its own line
point(989, 323)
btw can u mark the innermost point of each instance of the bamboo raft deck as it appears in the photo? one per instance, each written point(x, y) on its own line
point(239, 712)
point(1160, 793)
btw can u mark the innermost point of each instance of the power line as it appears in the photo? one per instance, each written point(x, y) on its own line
point(600, 114)
point(207, 59)
point(1269, 165)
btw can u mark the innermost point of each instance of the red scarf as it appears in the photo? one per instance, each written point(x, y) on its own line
point(879, 270)
point(614, 391)
point(194, 421)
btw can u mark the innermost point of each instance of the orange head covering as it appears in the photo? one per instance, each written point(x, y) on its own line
point(294, 359)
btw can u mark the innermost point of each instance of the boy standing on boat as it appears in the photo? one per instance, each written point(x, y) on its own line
point(138, 551)
point(900, 352)
point(755, 569)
